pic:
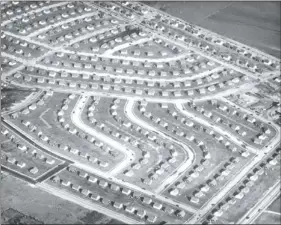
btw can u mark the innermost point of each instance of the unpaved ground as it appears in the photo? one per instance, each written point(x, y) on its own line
point(268, 218)
point(276, 205)
point(256, 24)
point(44, 207)
point(14, 95)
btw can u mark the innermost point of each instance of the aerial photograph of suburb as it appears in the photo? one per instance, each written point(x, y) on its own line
point(140, 112)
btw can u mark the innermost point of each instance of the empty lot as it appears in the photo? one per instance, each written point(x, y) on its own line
point(43, 206)
point(256, 24)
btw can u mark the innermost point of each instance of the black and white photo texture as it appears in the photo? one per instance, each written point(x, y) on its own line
point(150, 112)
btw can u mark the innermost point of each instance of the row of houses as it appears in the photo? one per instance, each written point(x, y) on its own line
point(235, 127)
point(22, 49)
point(117, 189)
point(64, 33)
point(83, 154)
point(232, 58)
point(160, 168)
point(205, 46)
point(32, 23)
point(33, 106)
point(110, 64)
point(35, 154)
point(25, 149)
point(8, 5)
point(216, 136)
point(139, 9)
point(117, 205)
point(33, 170)
point(151, 137)
point(243, 189)
point(250, 119)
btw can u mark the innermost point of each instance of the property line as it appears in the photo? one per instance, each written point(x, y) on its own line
point(44, 121)
point(272, 212)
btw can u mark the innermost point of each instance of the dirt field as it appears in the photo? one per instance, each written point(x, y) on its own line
point(275, 206)
point(268, 218)
point(13, 95)
point(18, 195)
point(252, 23)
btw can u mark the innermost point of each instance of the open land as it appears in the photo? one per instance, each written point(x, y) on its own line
point(45, 207)
point(251, 23)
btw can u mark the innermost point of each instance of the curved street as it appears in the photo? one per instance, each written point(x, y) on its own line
point(190, 156)
point(77, 121)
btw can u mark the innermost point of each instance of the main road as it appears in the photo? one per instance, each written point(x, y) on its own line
point(102, 74)
point(240, 176)
point(245, 170)
point(261, 205)
point(126, 96)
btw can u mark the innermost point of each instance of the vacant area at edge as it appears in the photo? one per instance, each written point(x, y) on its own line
point(256, 24)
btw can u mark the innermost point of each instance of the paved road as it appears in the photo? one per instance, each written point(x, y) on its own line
point(240, 176)
point(245, 170)
point(261, 205)
point(135, 187)
point(102, 74)
point(258, 158)
point(109, 94)
point(107, 176)
point(137, 59)
point(111, 51)
point(215, 200)
point(213, 34)
point(160, 35)
point(190, 156)
point(50, 50)
point(77, 121)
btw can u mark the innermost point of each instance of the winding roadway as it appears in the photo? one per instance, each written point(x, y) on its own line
point(189, 159)
point(77, 121)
